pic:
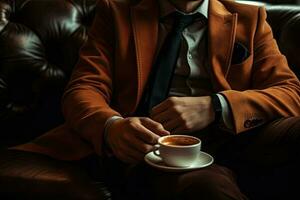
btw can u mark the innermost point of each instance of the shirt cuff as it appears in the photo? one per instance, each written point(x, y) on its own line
point(107, 125)
point(226, 112)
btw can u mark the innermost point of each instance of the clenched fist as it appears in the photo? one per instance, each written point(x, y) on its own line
point(184, 114)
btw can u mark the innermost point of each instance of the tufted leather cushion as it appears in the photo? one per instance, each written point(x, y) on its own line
point(39, 43)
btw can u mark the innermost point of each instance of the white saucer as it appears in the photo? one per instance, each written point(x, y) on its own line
point(204, 160)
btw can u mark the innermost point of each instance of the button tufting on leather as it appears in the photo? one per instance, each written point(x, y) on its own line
point(39, 41)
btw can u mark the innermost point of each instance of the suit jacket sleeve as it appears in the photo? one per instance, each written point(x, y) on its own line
point(87, 97)
point(275, 89)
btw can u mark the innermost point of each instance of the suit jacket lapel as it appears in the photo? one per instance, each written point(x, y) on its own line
point(145, 30)
point(221, 36)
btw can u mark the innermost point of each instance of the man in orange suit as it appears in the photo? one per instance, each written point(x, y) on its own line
point(208, 68)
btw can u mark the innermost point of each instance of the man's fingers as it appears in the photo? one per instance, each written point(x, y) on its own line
point(145, 134)
point(139, 145)
point(162, 117)
point(155, 127)
point(171, 101)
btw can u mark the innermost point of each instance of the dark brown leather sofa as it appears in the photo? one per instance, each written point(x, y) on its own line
point(39, 43)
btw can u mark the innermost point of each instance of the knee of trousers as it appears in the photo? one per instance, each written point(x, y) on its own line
point(210, 184)
point(285, 129)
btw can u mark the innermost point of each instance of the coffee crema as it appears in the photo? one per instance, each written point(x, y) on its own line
point(179, 141)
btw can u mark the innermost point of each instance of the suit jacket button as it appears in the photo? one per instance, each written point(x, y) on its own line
point(247, 124)
point(257, 122)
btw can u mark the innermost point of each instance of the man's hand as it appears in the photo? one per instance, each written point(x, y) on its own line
point(131, 138)
point(184, 114)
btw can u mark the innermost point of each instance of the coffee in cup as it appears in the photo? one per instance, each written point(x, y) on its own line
point(178, 150)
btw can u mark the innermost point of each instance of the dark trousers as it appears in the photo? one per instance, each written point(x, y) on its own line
point(259, 164)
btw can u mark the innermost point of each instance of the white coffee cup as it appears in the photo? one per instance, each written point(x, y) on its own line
point(178, 150)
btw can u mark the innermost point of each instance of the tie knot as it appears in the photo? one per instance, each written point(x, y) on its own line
point(182, 21)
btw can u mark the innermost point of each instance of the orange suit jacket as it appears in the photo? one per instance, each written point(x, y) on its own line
point(115, 63)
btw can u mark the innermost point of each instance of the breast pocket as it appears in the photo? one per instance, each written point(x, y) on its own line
point(239, 75)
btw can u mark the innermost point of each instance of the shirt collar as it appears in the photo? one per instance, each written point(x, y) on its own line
point(167, 8)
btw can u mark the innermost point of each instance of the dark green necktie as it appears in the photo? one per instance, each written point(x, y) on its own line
point(160, 79)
